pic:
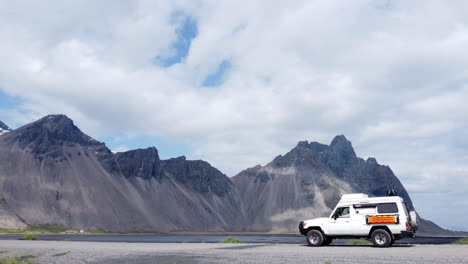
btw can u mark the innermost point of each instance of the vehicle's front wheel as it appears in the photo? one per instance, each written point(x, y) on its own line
point(381, 238)
point(314, 238)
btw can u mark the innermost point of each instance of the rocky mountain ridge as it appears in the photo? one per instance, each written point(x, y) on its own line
point(4, 128)
point(51, 173)
point(310, 174)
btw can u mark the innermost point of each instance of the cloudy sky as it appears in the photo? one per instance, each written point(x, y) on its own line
point(238, 82)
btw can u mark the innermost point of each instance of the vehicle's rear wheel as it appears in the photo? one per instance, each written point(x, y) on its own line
point(314, 238)
point(381, 238)
point(327, 241)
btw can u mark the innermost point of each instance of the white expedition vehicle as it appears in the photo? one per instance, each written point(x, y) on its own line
point(380, 219)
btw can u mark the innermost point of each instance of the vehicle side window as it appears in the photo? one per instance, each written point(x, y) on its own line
point(387, 208)
point(342, 212)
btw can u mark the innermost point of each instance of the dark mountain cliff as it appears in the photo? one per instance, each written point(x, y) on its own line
point(365, 176)
point(308, 181)
point(198, 174)
point(142, 163)
point(3, 126)
point(8, 218)
point(52, 173)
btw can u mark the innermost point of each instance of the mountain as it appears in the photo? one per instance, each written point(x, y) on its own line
point(4, 128)
point(8, 218)
point(308, 181)
point(53, 174)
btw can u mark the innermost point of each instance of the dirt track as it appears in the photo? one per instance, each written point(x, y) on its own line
point(96, 252)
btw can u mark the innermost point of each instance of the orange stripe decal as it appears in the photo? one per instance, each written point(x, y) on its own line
point(382, 219)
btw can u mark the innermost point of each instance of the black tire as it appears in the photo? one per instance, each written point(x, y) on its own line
point(391, 242)
point(381, 238)
point(327, 241)
point(314, 238)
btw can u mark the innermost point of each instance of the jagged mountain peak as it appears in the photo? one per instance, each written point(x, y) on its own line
point(181, 158)
point(340, 149)
point(339, 144)
point(55, 117)
point(303, 144)
point(50, 132)
point(372, 161)
point(143, 163)
point(78, 182)
point(149, 150)
point(54, 129)
point(3, 126)
point(55, 123)
point(199, 174)
point(318, 147)
point(339, 139)
point(343, 145)
point(52, 173)
point(309, 169)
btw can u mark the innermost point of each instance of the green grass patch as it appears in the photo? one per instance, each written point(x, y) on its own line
point(97, 231)
point(463, 241)
point(61, 254)
point(45, 229)
point(23, 259)
point(29, 237)
point(232, 240)
point(15, 260)
point(48, 229)
point(9, 231)
point(358, 242)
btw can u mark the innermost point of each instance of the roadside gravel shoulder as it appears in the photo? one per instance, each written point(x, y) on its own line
point(98, 252)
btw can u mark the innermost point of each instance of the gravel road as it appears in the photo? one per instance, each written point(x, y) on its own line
point(119, 253)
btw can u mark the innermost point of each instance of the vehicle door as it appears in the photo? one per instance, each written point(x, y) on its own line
point(358, 222)
point(340, 222)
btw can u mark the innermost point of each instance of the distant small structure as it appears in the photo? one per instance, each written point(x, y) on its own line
point(392, 192)
point(70, 232)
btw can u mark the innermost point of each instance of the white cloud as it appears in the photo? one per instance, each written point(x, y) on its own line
point(391, 75)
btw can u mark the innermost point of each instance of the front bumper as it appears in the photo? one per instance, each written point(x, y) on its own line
point(301, 228)
point(408, 234)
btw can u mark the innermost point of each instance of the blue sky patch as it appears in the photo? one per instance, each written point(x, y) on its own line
point(8, 102)
point(186, 31)
point(217, 78)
